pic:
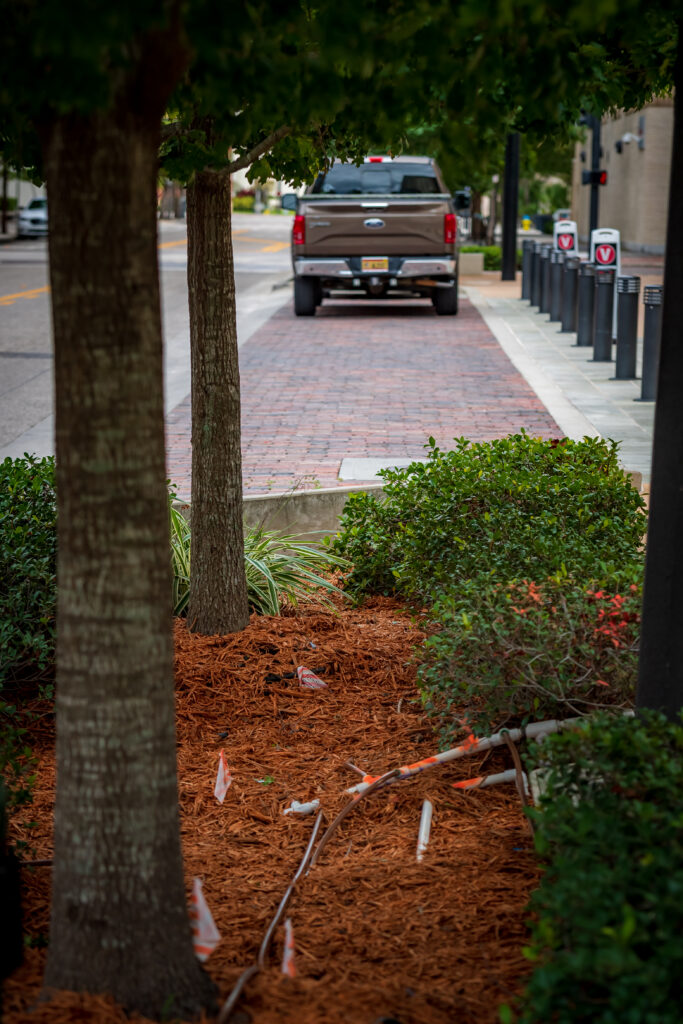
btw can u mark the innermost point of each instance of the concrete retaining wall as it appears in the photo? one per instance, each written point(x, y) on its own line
point(309, 514)
point(471, 263)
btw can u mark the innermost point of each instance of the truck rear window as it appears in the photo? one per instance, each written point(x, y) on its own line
point(377, 179)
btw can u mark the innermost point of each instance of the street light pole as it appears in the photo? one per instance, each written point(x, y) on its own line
point(510, 194)
point(594, 123)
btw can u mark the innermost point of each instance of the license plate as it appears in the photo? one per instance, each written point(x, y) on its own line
point(374, 263)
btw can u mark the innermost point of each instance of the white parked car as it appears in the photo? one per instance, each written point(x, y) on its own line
point(33, 219)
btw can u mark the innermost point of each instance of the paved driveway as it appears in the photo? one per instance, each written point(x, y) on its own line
point(364, 380)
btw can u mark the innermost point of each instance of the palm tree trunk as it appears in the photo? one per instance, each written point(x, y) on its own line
point(119, 913)
point(218, 586)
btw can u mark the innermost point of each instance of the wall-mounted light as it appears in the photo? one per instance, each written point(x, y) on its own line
point(630, 137)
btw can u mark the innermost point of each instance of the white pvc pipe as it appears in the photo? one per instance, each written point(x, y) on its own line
point(474, 746)
point(484, 781)
point(425, 828)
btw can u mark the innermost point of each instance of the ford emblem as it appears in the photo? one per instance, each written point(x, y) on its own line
point(374, 222)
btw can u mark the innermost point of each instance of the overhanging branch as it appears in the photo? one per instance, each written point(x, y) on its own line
point(262, 147)
point(173, 130)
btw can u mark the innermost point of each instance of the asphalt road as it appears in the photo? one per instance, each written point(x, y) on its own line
point(262, 267)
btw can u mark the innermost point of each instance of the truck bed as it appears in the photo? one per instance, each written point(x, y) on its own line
point(374, 225)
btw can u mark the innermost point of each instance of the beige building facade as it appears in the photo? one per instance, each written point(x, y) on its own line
point(637, 157)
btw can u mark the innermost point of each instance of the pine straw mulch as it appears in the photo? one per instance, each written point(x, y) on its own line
point(376, 934)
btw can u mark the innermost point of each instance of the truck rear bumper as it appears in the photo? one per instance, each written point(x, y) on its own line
point(399, 267)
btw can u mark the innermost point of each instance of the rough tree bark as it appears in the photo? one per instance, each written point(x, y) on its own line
point(660, 672)
point(119, 913)
point(218, 586)
point(478, 230)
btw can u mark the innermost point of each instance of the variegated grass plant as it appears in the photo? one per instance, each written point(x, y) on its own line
point(279, 568)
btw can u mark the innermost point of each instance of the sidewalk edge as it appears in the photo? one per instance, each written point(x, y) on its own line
point(571, 421)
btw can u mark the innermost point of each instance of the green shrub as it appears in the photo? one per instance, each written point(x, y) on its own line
point(28, 515)
point(243, 204)
point(514, 508)
point(518, 652)
point(27, 607)
point(607, 930)
point(279, 568)
point(493, 255)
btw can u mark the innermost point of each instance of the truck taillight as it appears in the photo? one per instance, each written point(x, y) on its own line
point(299, 230)
point(449, 228)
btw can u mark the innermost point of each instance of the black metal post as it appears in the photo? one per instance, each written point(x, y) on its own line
point(652, 300)
point(586, 303)
point(527, 256)
point(603, 314)
point(556, 269)
point(595, 166)
point(544, 306)
point(510, 193)
point(628, 290)
point(536, 274)
point(569, 282)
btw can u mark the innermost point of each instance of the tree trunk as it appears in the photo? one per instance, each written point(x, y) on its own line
point(3, 215)
point(119, 910)
point(218, 586)
point(478, 232)
point(493, 216)
point(660, 673)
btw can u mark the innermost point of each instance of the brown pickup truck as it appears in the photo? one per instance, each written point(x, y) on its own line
point(385, 227)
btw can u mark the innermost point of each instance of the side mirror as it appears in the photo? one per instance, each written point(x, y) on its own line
point(461, 200)
point(289, 201)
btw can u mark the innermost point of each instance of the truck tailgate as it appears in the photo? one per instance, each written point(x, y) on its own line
point(388, 226)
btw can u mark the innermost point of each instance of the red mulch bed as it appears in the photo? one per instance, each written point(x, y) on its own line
point(376, 934)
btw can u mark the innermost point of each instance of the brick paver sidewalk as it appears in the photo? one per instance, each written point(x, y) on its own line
point(364, 379)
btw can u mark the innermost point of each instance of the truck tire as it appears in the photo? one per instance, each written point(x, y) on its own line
point(445, 300)
point(305, 296)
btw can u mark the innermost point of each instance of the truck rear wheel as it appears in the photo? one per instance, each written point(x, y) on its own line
point(445, 300)
point(305, 295)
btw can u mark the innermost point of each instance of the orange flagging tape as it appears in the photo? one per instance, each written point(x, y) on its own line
point(288, 965)
point(205, 935)
point(309, 680)
point(223, 779)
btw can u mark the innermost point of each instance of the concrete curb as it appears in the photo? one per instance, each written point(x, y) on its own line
point(310, 515)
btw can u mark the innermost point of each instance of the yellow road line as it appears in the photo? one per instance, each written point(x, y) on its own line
point(183, 241)
point(273, 246)
point(7, 300)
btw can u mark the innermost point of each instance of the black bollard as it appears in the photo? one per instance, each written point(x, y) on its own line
point(586, 303)
point(603, 314)
point(544, 306)
point(628, 290)
point(652, 300)
point(536, 274)
point(556, 271)
point(527, 250)
point(569, 281)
